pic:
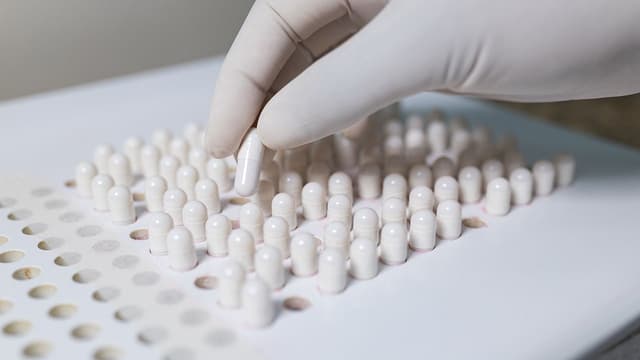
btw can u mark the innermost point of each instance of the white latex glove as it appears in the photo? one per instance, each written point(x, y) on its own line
point(307, 69)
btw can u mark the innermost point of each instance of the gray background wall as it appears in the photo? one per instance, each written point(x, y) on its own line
point(49, 44)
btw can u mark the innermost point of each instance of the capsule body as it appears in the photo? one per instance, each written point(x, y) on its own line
point(284, 206)
point(120, 169)
point(449, 219)
point(100, 186)
point(85, 172)
point(257, 305)
point(543, 177)
point(218, 171)
point(217, 230)
point(101, 156)
point(242, 248)
point(366, 225)
point(313, 202)
point(339, 209)
point(421, 198)
point(181, 250)
point(369, 181)
point(169, 169)
point(154, 189)
point(394, 185)
point(521, 182)
point(249, 164)
point(291, 183)
point(498, 199)
point(252, 220)
point(420, 175)
point(422, 231)
point(173, 201)
point(232, 280)
point(393, 210)
point(304, 254)
point(470, 184)
point(393, 243)
point(276, 234)
point(159, 226)
point(364, 259)
point(269, 267)
point(121, 205)
point(446, 188)
point(194, 217)
point(332, 271)
point(206, 192)
point(150, 160)
point(565, 167)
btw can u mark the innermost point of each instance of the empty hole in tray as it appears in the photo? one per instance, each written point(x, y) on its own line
point(63, 311)
point(5, 306)
point(7, 202)
point(152, 335)
point(50, 243)
point(474, 223)
point(85, 331)
point(145, 278)
point(179, 354)
point(11, 256)
point(54, 204)
point(169, 297)
point(71, 183)
point(105, 245)
point(89, 230)
point(34, 229)
point(296, 303)
point(85, 276)
point(20, 214)
point(206, 282)
point(17, 328)
point(67, 259)
point(41, 192)
point(128, 313)
point(238, 201)
point(194, 317)
point(125, 261)
point(108, 353)
point(37, 349)
point(43, 291)
point(26, 273)
point(140, 234)
point(220, 337)
point(3, 240)
point(71, 217)
point(106, 294)
point(138, 196)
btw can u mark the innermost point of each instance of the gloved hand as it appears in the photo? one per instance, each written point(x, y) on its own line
point(307, 69)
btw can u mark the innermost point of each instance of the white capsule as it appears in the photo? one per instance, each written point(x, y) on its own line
point(449, 219)
point(422, 231)
point(252, 220)
point(194, 217)
point(364, 259)
point(521, 182)
point(393, 127)
point(340, 184)
point(249, 164)
point(132, 150)
point(346, 151)
point(543, 176)
point(217, 230)
point(291, 183)
point(369, 181)
point(101, 157)
point(169, 170)
point(304, 254)
point(154, 189)
point(120, 203)
point(206, 192)
point(159, 226)
point(446, 188)
point(443, 166)
point(314, 203)
point(415, 121)
point(366, 225)
point(231, 281)
point(394, 210)
point(180, 149)
point(263, 196)
point(161, 138)
point(437, 136)
point(460, 140)
point(242, 247)
point(276, 234)
point(100, 186)
point(339, 209)
point(173, 201)
point(421, 198)
point(186, 179)
point(415, 146)
point(332, 271)
point(257, 306)
point(491, 169)
point(180, 249)
point(565, 168)
point(218, 171)
point(85, 171)
point(120, 169)
point(498, 197)
point(393, 243)
point(150, 160)
point(336, 235)
point(470, 184)
point(420, 175)
point(394, 185)
point(193, 134)
point(269, 267)
point(198, 158)
point(393, 146)
point(284, 206)
point(319, 172)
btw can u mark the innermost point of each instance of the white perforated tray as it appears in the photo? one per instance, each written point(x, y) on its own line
point(553, 279)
